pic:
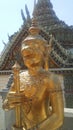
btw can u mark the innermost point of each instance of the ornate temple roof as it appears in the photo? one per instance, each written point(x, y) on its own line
point(46, 16)
point(49, 22)
point(60, 56)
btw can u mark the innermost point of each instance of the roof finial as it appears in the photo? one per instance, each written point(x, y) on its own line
point(4, 43)
point(27, 12)
point(9, 38)
point(23, 16)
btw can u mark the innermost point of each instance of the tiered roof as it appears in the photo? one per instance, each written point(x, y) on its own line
point(61, 56)
point(49, 22)
point(45, 15)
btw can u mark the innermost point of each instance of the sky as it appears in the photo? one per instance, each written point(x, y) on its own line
point(11, 20)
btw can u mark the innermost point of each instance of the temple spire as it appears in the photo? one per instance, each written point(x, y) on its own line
point(44, 13)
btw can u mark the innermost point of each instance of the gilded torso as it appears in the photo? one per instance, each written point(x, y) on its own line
point(34, 89)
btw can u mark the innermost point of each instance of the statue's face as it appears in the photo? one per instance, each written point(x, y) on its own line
point(32, 55)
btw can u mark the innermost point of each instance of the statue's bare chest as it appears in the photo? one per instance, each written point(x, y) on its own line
point(33, 86)
point(34, 89)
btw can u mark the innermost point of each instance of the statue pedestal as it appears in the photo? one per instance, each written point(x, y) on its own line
point(14, 127)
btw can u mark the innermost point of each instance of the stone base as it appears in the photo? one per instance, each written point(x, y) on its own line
point(16, 128)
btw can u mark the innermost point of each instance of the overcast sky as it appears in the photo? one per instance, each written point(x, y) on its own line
point(11, 20)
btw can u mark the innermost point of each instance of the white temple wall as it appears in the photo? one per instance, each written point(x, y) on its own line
point(2, 116)
point(3, 81)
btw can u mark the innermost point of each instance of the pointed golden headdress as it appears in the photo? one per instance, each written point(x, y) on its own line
point(35, 38)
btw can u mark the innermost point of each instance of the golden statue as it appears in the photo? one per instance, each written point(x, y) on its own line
point(36, 93)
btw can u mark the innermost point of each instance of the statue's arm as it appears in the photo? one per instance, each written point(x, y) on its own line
point(56, 99)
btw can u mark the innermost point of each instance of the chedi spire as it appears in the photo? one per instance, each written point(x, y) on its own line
point(44, 13)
